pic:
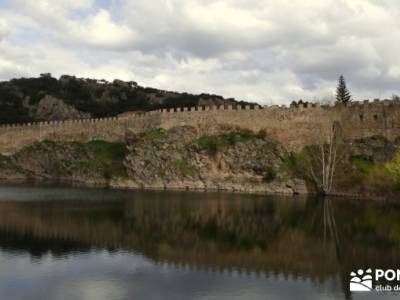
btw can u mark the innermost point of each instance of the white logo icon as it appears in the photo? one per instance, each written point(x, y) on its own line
point(361, 281)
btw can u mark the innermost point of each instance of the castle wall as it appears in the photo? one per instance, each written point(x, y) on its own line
point(297, 127)
point(293, 127)
point(15, 137)
point(371, 118)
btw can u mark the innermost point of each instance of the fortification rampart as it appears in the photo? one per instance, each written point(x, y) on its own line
point(294, 127)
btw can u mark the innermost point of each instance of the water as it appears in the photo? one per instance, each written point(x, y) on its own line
point(69, 243)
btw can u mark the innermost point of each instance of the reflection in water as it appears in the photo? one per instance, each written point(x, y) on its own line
point(102, 244)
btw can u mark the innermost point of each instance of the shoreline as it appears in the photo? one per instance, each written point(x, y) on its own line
point(110, 186)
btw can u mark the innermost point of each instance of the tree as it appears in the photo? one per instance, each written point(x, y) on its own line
point(323, 159)
point(298, 103)
point(342, 93)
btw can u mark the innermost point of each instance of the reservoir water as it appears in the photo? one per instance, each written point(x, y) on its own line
point(74, 243)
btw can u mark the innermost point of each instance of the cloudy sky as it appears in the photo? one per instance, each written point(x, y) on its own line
point(260, 50)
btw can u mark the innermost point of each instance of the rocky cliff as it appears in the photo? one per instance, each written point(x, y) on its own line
point(182, 157)
point(235, 160)
point(93, 163)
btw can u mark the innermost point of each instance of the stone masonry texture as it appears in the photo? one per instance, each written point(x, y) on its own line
point(293, 127)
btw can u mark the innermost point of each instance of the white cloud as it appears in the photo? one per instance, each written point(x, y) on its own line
point(94, 29)
point(99, 30)
point(248, 49)
point(49, 7)
point(4, 30)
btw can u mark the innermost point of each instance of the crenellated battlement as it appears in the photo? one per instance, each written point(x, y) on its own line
point(59, 123)
point(360, 104)
point(294, 127)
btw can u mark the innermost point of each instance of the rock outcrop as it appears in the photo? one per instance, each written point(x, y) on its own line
point(92, 163)
point(51, 108)
point(180, 159)
point(375, 148)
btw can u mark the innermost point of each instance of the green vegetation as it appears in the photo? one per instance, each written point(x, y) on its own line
point(102, 151)
point(96, 156)
point(4, 159)
point(214, 143)
point(355, 174)
point(270, 174)
point(208, 143)
point(372, 176)
point(293, 166)
point(155, 134)
point(100, 99)
point(107, 151)
point(43, 146)
point(106, 156)
point(342, 92)
point(7, 163)
point(363, 165)
point(185, 168)
point(393, 168)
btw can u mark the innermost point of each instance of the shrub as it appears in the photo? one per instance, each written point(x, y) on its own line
point(270, 174)
point(208, 143)
point(213, 143)
point(105, 151)
point(393, 168)
point(363, 165)
point(106, 156)
point(370, 176)
point(262, 134)
point(155, 134)
point(185, 168)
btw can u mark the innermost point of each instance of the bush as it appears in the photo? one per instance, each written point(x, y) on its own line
point(262, 134)
point(270, 174)
point(370, 176)
point(393, 168)
point(155, 134)
point(185, 168)
point(363, 165)
point(105, 151)
point(107, 157)
point(208, 143)
point(213, 143)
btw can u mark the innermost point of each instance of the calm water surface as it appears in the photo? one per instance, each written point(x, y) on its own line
point(69, 243)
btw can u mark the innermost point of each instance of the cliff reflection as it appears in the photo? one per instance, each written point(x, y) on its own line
point(310, 238)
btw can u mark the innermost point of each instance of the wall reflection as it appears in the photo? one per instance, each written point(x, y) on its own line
point(296, 237)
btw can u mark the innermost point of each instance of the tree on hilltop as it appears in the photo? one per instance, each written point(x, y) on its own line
point(342, 92)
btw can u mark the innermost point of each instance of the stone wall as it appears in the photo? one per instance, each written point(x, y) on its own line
point(293, 127)
point(15, 137)
point(297, 127)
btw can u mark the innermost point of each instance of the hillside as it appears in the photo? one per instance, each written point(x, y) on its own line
point(182, 158)
point(179, 158)
point(47, 98)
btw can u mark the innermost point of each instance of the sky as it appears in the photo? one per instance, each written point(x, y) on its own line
point(267, 51)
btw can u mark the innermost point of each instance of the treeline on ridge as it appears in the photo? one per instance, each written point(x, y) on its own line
point(20, 98)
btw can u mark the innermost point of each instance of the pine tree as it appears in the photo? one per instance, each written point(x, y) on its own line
point(342, 93)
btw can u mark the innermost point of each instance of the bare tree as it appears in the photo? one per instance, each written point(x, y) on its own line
point(324, 158)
